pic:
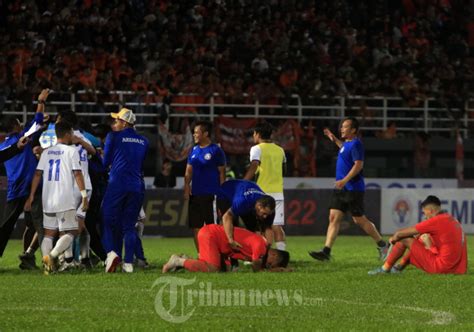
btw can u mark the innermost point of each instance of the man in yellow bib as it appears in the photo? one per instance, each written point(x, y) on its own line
point(268, 163)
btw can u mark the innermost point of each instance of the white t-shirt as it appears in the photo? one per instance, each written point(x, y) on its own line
point(84, 161)
point(58, 164)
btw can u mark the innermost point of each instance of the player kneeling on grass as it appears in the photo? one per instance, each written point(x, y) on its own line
point(440, 248)
point(214, 248)
point(59, 166)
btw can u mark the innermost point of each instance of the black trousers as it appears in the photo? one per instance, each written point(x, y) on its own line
point(13, 210)
point(94, 221)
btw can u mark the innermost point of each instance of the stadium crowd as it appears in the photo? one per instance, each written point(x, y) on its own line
point(241, 49)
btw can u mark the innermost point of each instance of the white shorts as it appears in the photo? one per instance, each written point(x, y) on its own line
point(77, 194)
point(64, 221)
point(279, 213)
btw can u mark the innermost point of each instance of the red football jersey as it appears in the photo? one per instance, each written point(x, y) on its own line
point(448, 237)
point(254, 246)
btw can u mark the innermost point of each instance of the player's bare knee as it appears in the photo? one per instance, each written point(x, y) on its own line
point(334, 219)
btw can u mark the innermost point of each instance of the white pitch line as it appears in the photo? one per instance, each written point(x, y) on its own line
point(439, 317)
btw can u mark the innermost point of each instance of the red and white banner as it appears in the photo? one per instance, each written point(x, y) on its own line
point(288, 135)
point(235, 135)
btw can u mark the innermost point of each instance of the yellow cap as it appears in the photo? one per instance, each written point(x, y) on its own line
point(125, 114)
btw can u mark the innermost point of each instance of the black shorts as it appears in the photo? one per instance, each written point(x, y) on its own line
point(348, 201)
point(200, 210)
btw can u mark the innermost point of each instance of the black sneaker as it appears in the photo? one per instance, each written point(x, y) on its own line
point(320, 255)
point(94, 259)
point(27, 261)
point(86, 264)
point(27, 266)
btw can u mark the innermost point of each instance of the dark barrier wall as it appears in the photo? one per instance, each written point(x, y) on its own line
point(306, 213)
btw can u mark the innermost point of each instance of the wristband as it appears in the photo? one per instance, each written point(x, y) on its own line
point(84, 193)
point(42, 102)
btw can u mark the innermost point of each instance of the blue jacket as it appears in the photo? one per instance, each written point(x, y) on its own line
point(21, 168)
point(125, 153)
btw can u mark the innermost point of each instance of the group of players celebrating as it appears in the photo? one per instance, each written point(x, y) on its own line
point(56, 191)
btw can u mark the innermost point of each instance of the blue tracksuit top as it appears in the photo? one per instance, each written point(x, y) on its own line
point(125, 152)
point(21, 168)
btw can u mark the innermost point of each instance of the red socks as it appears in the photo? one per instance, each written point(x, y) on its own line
point(195, 265)
point(397, 251)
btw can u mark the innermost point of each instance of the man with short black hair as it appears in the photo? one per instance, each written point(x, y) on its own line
point(244, 199)
point(205, 172)
point(436, 245)
point(268, 165)
point(20, 171)
point(59, 167)
point(84, 148)
point(349, 188)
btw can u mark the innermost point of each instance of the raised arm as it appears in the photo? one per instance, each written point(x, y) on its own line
point(42, 100)
point(332, 137)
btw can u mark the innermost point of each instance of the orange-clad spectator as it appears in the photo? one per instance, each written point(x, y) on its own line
point(139, 85)
point(74, 61)
point(114, 61)
point(88, 78)
point(100, 59)
point(288, 78)
point(44, 73)
point(124, 71)
point(17, 70)
point(161, 91)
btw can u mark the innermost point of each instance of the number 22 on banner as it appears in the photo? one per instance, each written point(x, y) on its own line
point(295, 209)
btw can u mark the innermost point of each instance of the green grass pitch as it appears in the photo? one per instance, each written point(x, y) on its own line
point(316, 296)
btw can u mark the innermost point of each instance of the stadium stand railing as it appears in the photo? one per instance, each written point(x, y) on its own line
point(376, 113)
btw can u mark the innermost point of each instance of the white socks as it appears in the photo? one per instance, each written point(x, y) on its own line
point(46, 245)
point(280, 245)
point(63, 243)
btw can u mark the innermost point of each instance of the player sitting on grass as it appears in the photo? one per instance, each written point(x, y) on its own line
point(214, 245)
point(441, 247)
